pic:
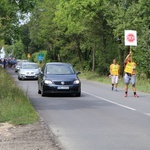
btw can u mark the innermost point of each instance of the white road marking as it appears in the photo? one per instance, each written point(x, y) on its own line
point(148, 114)
point(104, 99)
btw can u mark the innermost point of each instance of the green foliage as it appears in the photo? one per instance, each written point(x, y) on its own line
point(18, 50)
point(14, 105)
point(34, 57)
point(9, 18)
point(24, 56)
point(23, 5)
point(25, 38)
point(142, 53)
point(86, 32)
point(8, 49)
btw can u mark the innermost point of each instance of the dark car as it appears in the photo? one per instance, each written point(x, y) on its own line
point(57, 77)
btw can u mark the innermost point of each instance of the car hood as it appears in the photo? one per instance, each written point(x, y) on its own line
point(29, 70)
point(61, 77)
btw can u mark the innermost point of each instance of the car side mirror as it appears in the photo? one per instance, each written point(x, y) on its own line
point(78, 72)
point(41, 72)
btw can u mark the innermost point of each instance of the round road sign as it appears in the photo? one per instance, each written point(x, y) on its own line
point(130, 37)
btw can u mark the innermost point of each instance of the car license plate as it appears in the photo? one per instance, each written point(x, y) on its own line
point(63, 87)
point(30, 73)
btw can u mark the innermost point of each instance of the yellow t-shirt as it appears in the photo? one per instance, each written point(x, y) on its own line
point(114, 69)
point(130, 67)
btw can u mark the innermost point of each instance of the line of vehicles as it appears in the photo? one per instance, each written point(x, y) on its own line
point(53, 77)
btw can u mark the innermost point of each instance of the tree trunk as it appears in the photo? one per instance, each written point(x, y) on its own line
point(121, 60)
point(77, 39)
point(93, 60)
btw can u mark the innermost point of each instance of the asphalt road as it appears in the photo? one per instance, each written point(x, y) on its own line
point(100, 119)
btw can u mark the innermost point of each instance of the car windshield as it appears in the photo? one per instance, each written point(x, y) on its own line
point(19, 63)
point(59, 69)
point(29, 66)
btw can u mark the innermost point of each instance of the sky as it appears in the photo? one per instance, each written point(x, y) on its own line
point(25, 19)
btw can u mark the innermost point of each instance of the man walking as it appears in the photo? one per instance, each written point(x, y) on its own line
point(130, 76)
point(114, 72)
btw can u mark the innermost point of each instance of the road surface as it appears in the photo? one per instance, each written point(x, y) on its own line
point(100, 119)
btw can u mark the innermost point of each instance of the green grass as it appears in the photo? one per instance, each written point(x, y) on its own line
point(142, 84)
point(15, 107)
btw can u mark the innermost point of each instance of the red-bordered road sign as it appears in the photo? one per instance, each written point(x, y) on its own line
point(130, 38)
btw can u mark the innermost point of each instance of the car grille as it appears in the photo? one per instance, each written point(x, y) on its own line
point(30, 77)
point(65, 82)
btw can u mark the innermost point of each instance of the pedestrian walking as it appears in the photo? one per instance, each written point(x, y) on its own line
point(114, 74)
point(130, 74)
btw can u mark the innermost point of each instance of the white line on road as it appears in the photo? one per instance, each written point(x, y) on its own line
point(104, 99)
point(148, 114)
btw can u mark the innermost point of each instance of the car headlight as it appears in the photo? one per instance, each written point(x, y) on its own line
point(22, 72)
point(76, 82)
point(48, 82)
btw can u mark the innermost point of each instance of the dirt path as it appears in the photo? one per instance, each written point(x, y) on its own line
point(27, 137)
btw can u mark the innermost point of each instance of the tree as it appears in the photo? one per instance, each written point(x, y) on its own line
point(9, 18)
point(87, 33)
point(128, 15)
point(18, 50)
point(25, 37)
point(84, 22)
point(42, 28)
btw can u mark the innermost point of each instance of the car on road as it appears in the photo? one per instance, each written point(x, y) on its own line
point(28, 70)
point(17, 67)
point(60, 78)
point(19, 62)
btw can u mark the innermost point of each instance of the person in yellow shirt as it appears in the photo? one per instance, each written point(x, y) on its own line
point(114, 73)
point(130, 74)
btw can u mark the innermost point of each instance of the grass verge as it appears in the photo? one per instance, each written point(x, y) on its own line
point(15, 107)
point(142, 84)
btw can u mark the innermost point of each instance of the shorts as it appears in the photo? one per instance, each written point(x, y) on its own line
point(129, 79)
point(114, 79)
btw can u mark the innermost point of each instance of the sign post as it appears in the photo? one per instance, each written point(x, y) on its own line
point(28, 56)
point(40, 57)
point(130, 39)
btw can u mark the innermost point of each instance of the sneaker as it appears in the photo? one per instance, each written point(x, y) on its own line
point(125, 95)
point(116, 90)
point(135, 95)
